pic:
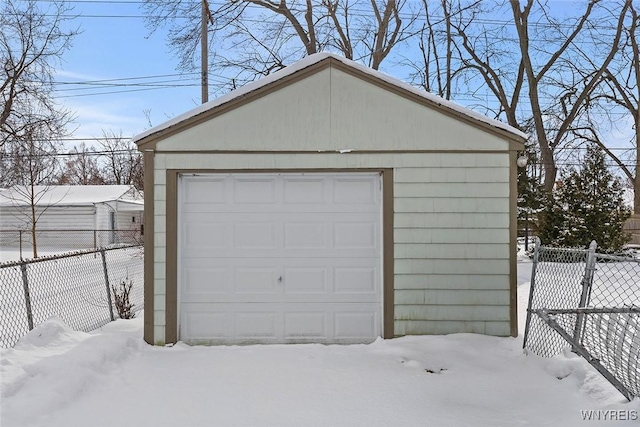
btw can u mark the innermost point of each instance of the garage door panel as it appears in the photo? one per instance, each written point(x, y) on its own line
point(305, 325)
point(312, 216)
point(356, 190)
point(307, 235)
point(305, 280)
point(205, 235)
point(279, 298)
point(255, 235)
point(258, 209)
point(334, 232)
point(280, 258)
point(286, 262)
point(206, 325)
point(356, 280)
point(304, 190)
point(232, 280)
point(207, 280)
point(257, 254)
point(203, 192)
point(254, 190)
point(355, 235)
point(258, 280)
point(258, 325)
point(270, 323)
point(355, 325)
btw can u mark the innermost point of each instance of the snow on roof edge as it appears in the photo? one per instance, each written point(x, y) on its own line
point(68, 195)
point(314, 59)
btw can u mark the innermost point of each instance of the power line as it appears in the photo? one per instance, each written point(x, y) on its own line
point(109, 93)
point(129, 78)
point(72, 154)
point(219, 79)
point(88, 138)
point(158, 85)
point(354, 11)
point(93, 2)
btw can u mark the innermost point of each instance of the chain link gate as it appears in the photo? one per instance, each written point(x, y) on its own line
point(590, 301)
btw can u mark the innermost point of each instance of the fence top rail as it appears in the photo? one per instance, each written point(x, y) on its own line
point(599, 255)
point(620, 258)
point(64, 255)
point(633, 309)
point(558, 249)
point(17, 230)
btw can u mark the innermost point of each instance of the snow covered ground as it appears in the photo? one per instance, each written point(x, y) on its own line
point(58, 377)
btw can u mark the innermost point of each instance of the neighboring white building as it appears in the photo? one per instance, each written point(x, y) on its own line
point(329, 203)
point(67, 208)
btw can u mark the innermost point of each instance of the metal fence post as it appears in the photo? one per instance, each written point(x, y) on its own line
point(587, 283)
point(536, 258)
point(20, 238)
point(106, 281)
point(27, 296)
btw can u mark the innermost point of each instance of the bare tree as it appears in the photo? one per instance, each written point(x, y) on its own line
point(537, 70)
point(572, 103)
point(438, 61)
point(81, 168)
point(122, 163)
point(368, 31)
point(32, 39)
point(253, 38)
point(30, 167)
point(618, 94)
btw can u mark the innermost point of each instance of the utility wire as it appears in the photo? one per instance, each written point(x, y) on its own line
point(353, 11)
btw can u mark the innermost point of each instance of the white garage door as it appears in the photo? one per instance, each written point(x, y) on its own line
point(279, 258)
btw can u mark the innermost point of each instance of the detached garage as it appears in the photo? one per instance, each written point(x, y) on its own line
point(328, 203)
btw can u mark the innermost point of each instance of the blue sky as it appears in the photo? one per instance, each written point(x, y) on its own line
point(120, 48)
point(116, 44)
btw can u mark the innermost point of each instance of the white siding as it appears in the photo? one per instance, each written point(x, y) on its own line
point(53, 218)
point(82, 219)
point(102, 217)
point(451, 232)
point(128, 220)
point(366, 116)
point(352, 114)
point(159, 253)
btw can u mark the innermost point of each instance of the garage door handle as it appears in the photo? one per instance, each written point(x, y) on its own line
point(279, 278)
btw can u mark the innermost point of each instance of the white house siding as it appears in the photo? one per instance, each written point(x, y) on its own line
point(102, 217)
point(124, 220)
point(348, 116)
point(55, 218)
point(451, 239)
point(452, 249)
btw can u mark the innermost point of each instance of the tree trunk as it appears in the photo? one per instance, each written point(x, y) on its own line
point(636, 180)
point(34, 242)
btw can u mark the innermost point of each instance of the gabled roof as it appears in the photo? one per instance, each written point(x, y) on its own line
point(69, 195)
point(314, 63)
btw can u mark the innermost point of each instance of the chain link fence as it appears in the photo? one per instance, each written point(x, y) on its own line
point(75, 287)
point(56, 241)
point(591, 302)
